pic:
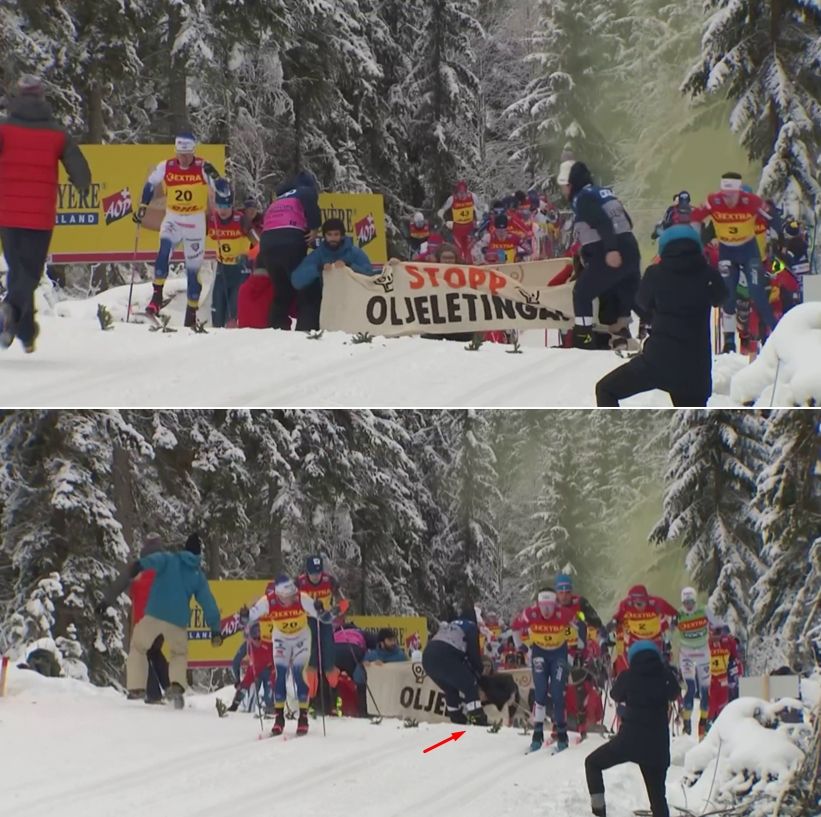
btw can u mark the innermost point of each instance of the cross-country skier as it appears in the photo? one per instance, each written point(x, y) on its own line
point(454, 663)
point(642, 617)
point(551, 626)
point(289, 611)
point(694, 658)
point(464, 208)
point(609, 250)
point(234, 235)
point(723, 665)
point(418, 232)
point(584, 609)
point(734, 213)
point(645, 691)
point(188, 180)
point(679, 212)
point(323, 589)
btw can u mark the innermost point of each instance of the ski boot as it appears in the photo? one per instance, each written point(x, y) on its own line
point(190, 316)
point(562, 741)
point(279, 723)
point(477, 718)
point(7, 330)
point(583, 337)
point(457, 716)
point(729, 344)
point(702, 727)
point(597, 805)
point(135, 695)
point(686, 727)
point(302, 723)
point(175, 695)
point(537, 741)
point(237, 701)
point(155, 304)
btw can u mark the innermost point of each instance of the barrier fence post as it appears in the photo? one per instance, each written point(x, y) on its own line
point(4, 670)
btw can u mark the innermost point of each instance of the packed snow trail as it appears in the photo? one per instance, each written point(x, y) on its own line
point(91, 753)
point(77, 364)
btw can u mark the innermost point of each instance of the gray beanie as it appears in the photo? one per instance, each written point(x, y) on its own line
point(30, 85)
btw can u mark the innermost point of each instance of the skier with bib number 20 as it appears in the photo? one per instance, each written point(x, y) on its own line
point(188, 179)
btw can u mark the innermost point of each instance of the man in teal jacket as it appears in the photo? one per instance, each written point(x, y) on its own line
point(336, 250)
point(178, 577)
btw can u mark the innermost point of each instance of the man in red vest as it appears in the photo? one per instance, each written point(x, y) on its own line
point(32, 143)
point(138, 590)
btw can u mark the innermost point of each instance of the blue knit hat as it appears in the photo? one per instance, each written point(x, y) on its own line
point(676, 233)
point(564, 581)
point(642, 646)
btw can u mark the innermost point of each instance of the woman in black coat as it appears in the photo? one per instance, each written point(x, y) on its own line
point(646, 689)
point(676, 295)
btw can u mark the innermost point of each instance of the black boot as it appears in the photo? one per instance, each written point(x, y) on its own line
point(190, 316)
point(583, 337)
point(155, 304)
point(729, 343)
point(477, 717)
point(237, 700)
point(279, 722)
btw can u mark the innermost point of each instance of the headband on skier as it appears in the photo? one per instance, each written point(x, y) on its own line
point(547, 602)
point(731, 184)
point(185, 143)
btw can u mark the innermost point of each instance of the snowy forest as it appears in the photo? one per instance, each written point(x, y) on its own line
point(417, 511)
point(401, 97)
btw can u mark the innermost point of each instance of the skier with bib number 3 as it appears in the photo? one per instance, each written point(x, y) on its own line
point(187, 179)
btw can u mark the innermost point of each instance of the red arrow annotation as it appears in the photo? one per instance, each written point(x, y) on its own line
point(454, 736)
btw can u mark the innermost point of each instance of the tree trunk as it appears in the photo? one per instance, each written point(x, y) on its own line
point(96, 124)
point(177, 76)
point(275, 545)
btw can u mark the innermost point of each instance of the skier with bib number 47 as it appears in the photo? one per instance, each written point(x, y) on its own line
point(187, 179)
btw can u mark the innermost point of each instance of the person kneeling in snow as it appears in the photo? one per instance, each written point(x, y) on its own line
point(677, 295)
point(336, 251)
point(646, 689)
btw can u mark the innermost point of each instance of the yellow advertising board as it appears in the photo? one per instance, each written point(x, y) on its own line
point(231, 594)
point(97, 226)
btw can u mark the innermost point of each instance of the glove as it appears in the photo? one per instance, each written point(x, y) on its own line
point(580, 645)
point(210, 171)
point(244, 615)
point(216, 640)
point(319, 605)
point(139, 214)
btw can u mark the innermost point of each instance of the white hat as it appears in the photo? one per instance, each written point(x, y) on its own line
point(564, 172)
point(688, 594)
point(547, 597)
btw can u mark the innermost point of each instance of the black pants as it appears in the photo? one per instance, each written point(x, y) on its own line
point(158, 680)
point(636, 377)
point(614, 754)
point(25, 252)
point(282, 251)
point(348, 658)
point(449, 670)
point(308, 305)
point(597, 278)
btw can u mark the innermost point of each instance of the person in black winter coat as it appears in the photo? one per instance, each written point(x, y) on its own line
point(646, 689)
point(677, 294)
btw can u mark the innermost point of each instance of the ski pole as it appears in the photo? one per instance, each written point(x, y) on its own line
point(252, 666)
point(319, 670)
point(133, 265)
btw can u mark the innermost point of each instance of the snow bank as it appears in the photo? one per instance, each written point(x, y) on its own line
point(788, 370)
point(747, 755)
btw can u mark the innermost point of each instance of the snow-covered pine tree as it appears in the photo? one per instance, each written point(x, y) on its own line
point(568, 92)
point(470, 540)
point(786, 597)
point(443, 86)
point(710, 486)
point(766, 57)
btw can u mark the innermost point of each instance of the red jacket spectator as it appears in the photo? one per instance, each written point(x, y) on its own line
point(139, 591)
point(254, 301)
point(32, 143)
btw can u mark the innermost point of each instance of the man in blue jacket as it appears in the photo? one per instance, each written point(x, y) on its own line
point(178, 577)
point(336, 250)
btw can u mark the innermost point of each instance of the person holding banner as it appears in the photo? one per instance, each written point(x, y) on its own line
point(32, 145)
point(188, 180)
point(289, 227)
point(336, 251)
